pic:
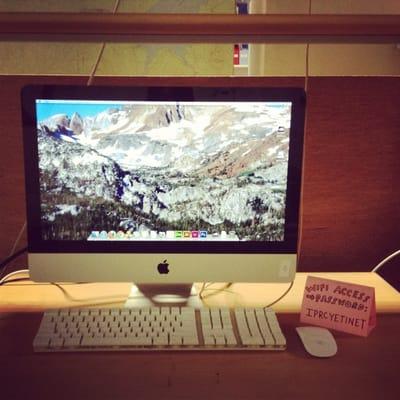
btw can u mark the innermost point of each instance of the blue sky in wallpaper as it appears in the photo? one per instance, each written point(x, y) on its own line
point(45, 108)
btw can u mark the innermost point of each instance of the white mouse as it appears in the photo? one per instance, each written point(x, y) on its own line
point(318, 342)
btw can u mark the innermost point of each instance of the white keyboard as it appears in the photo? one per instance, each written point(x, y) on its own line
point(159, 328)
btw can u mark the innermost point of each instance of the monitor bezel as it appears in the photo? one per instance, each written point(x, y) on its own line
point(36, 244)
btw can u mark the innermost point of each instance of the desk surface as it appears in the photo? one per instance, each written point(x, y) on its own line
point(30, 296)
point(364, 368)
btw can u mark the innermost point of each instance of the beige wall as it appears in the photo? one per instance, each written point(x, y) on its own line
point(124, 59)
point(325, 59)
point(200, 59)
point(56, 5)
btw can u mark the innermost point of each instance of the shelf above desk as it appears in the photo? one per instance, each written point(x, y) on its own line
point(192, 28)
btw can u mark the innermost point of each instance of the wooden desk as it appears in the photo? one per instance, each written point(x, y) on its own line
point(364, 368)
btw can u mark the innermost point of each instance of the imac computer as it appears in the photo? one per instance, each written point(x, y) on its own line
point(162, 185)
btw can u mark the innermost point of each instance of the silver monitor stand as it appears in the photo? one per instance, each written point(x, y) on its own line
point(175, 295)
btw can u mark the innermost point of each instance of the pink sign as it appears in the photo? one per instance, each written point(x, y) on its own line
point(339, 305)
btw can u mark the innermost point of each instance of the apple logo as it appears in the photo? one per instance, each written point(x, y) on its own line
point(163, 267)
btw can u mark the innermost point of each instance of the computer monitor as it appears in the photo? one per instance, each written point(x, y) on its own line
point(162, 184)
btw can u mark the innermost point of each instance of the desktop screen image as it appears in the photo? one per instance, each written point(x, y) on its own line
point(163, 170)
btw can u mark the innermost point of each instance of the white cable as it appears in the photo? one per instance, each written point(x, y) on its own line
point(15, 245)
point(282, 296)
point(384, 261)
point(102, 47)
point(8, 276)
point(17, 239)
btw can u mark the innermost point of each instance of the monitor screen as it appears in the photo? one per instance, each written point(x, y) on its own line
point(163, 170)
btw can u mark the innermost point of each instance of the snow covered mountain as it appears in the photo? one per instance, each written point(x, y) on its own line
point(167, 167)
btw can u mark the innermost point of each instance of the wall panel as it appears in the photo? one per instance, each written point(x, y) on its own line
point(352, 169)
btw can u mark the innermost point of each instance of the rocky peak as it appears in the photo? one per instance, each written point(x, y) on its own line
point(76, 124)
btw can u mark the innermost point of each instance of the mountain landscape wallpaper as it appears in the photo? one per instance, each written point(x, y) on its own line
point(162, 166)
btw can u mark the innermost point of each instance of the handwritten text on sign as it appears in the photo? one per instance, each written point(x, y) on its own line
point(339, 305)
